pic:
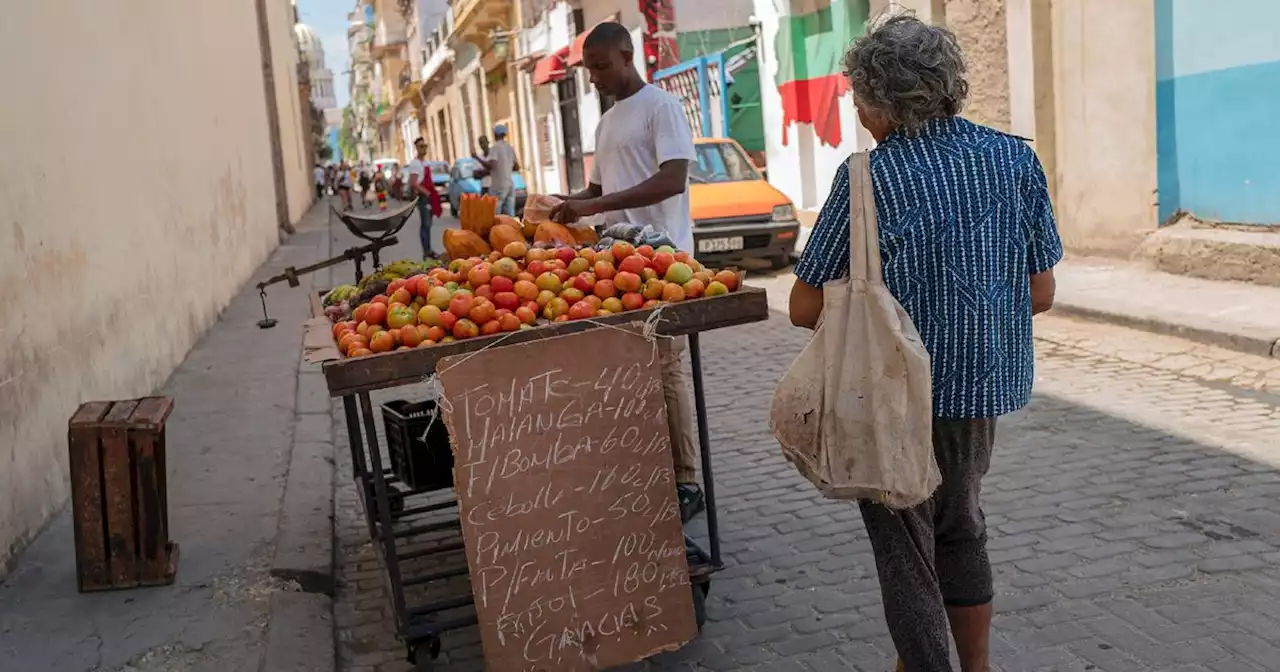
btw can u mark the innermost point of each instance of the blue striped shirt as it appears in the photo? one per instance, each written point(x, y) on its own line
point(965, 220)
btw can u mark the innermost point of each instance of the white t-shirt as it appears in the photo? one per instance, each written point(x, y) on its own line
point(504, 161)
point(636, 136)
point(319, 173)
point(416, 167)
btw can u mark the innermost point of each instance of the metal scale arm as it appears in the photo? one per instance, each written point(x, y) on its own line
point(290, 274)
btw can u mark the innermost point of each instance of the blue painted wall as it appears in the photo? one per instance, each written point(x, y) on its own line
point(1217, 99)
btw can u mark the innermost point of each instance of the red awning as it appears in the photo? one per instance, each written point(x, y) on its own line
point(550, 68)
point(575, 52)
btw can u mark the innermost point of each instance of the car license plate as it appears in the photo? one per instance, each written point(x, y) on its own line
point(720, 244)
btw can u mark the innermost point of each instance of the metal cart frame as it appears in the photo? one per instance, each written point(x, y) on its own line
point(387, 507)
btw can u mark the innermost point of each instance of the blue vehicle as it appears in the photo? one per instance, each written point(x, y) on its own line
point(439, 173)
point(439, 177)
point(465, 179)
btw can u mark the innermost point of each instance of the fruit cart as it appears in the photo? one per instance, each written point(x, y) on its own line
point(415, 524)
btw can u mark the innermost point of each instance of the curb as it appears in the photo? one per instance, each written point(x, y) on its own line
point(300, 637)
point(1246, 343)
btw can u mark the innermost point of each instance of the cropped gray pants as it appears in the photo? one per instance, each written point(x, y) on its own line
point(934, 555)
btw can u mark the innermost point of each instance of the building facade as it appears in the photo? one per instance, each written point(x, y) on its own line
point(361, 106)
point(321, 77)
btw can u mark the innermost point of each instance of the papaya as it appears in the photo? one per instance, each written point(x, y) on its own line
point(463, 244)
point(504, 233)
point(529, 228)
point(506, 219)
point(584, 236)
point(551, 232)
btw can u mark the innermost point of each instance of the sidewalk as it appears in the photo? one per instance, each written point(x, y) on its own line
point(249, 454)
point(1232, 315)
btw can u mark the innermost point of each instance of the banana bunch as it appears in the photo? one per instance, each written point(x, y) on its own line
point(339, 294)
point(401, 269)
point(371, 278)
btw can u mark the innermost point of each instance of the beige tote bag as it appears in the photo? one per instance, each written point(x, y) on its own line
point(854, 413)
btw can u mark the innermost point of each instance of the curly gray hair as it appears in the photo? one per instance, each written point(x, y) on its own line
point(907, 70)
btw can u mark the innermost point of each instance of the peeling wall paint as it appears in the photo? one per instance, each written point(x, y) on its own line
point(981, 28)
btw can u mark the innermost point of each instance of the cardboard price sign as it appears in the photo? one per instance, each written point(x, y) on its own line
point(567, 497)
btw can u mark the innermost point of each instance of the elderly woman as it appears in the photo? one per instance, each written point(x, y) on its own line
point(968, 244)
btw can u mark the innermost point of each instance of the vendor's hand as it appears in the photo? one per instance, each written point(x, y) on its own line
point(571, 211)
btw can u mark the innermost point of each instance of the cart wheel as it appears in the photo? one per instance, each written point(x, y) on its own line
point(396, 500)
point(422, 655)
point(700, 591)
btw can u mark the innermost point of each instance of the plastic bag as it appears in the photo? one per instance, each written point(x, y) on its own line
point(537, 208)
point(625, 231)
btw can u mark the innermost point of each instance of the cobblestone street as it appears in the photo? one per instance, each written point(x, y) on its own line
point(1130, 510)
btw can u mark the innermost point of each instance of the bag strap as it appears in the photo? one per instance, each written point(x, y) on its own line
point(864, 233)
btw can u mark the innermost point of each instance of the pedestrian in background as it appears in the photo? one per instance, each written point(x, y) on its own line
point(380, 187)
point(968, 245)
point(343, 178)
point(321, 180)
point(500, 162)
point(422, 187)
point(365, 182)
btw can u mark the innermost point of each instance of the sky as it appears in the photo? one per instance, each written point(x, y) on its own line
point(329, 19)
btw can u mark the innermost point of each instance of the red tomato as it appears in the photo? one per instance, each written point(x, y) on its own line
point(461, 304)
point(482, 312)
point(501, 283)
point(401, 295)
point(382, 341)
point(410, 336)
point(508, 322)
point(377, 313)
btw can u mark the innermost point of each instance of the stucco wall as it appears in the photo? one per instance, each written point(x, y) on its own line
point(137, 199)
point(1104, 90)
point(980, 27)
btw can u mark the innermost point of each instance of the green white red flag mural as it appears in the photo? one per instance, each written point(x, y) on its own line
point(809, 46)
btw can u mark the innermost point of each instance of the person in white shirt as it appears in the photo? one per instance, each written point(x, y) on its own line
point(641, 175)
point(500, 162)
point(320, 181)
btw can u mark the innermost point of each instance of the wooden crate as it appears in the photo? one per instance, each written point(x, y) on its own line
point(119, 497)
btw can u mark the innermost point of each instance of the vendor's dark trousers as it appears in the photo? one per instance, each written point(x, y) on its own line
point(424, 227)
point(934, 555)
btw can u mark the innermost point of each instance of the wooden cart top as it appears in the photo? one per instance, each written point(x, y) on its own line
point(406, 367)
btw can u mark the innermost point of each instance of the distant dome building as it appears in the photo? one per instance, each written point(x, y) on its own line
point(312, 51)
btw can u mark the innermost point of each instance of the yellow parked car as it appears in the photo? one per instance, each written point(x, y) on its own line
point(737, 214)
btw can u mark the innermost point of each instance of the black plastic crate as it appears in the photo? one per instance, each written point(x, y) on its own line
point(418, 463)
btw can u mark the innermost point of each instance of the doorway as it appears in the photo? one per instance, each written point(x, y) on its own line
point(567, 90)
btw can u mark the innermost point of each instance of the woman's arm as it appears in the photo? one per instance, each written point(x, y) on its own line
point(806, 305)
point(826, 254)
